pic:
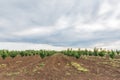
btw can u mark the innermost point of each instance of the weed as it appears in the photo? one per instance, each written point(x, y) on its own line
point(42, 64)
point(3, 65)
point(12, 73)
point(79, 67)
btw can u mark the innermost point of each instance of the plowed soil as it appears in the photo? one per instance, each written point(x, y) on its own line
point(59, 67)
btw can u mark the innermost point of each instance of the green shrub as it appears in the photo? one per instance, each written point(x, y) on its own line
point(101, 53)
point(22, 53)
point(118, 52)
point(4, 53)
point(95, 52)
point(13, 54)
point(43, 54)
point(112, 54)
point(90, 53)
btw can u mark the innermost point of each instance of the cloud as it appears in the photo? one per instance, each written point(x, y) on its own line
point(74, 23)
point(108, 45)
point(27, 46)
point(34, 31)
point(105, 7)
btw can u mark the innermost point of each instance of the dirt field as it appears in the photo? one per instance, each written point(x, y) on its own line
point(59, 67)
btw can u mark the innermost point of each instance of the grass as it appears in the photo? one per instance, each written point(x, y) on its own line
point(3, 65)
point(42, 64)
point(12, 73)
point(79, 67)
point(111, 63)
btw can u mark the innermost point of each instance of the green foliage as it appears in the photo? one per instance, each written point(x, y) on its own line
point(112, 54)
point(86, 52)
point(22, 53)
point(77, 55)
point(101, 53)
point(4, 53)
point(69, 52)
point(118, 52)
point(95, 52)
point(45, 53)
point(13, 54)
point(90, 53)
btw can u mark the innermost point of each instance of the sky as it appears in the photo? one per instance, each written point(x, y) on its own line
point(58, 24)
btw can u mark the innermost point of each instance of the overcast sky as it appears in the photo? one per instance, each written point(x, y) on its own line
point(59, 23)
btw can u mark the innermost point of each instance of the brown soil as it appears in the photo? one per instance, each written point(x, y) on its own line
point(59, 67)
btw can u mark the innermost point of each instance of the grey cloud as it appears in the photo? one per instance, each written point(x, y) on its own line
point(20, 15)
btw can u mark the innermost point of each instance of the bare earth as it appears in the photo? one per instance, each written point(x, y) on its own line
point(59, 67)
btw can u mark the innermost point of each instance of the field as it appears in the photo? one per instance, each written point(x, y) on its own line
point(63, 65)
